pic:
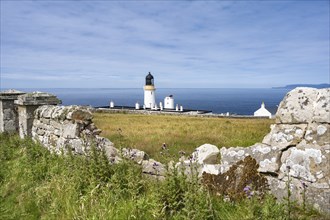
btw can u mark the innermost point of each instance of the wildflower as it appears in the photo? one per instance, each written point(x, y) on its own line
point(248, 191)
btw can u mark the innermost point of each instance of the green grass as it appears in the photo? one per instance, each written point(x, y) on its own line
point(149, 132)
point(35, 184)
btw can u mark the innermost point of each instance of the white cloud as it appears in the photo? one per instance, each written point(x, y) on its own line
point(186, 44)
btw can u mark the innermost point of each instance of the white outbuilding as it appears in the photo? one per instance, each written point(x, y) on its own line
point(169, 102)
point(262, 112)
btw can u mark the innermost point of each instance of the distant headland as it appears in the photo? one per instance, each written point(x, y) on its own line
point(292, 86)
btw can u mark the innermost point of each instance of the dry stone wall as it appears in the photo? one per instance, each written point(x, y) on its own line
point(296, 149)
point(69, 128)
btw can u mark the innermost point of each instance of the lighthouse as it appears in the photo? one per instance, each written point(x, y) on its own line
point(149, 92)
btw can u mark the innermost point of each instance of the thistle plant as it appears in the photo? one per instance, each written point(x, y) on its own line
point(288, 183)
point(248, 191)
point(304, 187)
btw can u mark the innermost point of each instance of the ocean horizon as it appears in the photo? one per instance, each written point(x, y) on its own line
point(240, 101)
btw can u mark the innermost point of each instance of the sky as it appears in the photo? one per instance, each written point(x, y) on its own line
point(184, 44)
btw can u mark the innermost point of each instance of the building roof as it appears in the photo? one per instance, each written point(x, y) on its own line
point(149, 76)
point(262, 111)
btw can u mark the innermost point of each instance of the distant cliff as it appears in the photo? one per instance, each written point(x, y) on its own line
point(293, 86)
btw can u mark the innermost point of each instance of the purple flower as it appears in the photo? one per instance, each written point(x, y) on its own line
point(247, 189)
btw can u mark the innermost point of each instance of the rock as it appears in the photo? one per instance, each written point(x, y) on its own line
point(77, 145)
point(70, 130)
point(284, 135)
point(206, 154)
point(322, 106)
point(318, 197)
point(61, 145)
point(153, 167)
point(134, 154)
point(81, 115)
point(211, 169)
point(297, 106)
point(306, 162)
point(230, 156)
point(47, 112)
point(318, 134)
point(266, 156)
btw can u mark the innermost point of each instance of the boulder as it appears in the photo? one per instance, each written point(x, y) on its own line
point(322, 106)
point(153, 167)
point(206, 154)
point(297, 106)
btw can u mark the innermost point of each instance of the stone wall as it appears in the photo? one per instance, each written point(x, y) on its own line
point(296, 149)
point(8, 111)
point(69, 128)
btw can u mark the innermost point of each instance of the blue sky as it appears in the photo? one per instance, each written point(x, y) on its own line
point(184, 44)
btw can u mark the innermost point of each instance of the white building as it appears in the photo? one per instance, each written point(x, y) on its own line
point(169, 102)
point(262, 112)
point(149, 92)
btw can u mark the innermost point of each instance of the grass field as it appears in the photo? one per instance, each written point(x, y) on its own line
point(149, 132)
point(35, 184)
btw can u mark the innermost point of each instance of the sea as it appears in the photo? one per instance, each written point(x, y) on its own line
point(218, 100)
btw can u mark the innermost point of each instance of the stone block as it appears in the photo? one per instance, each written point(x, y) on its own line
point(37, 98)
point(267, 157)
point(307, 162)
point(284, 135)
point(206, 154)
point(318, 134)
point(26, 117)
point(70, 130)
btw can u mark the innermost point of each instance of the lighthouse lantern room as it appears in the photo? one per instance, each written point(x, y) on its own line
point(149, 92)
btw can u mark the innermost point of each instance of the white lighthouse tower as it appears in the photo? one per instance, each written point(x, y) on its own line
point(149, 92)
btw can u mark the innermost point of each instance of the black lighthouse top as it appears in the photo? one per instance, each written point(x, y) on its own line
point(149, 80)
